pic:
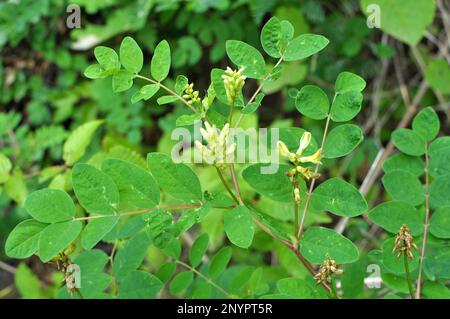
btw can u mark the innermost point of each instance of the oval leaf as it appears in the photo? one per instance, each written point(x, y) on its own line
point(339, 198)
point(95, 190)
point(318, 242)
point(239, 226)
point(178, 180)
point(50, 206)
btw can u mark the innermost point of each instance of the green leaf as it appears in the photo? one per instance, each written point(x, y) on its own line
point(218, 85)
point(426, 123)
point(396, 264)
point(159, 228)
point(146, 92)
point(95, 190)
point(107, 58)
point(5, 168)
point(181, 282)
point(296, 288)
point(96, 229)
point(56, 237)
point(93, 279)
point(317, 242)
point(160, 65)
point(166, 271)
point(219, 262)
point(27, 283)
point(439, 160)
point(253, 107)
point(439, 190)
point(131, 55)
point(439, 144)
point(16, 188)
point(437, 74)
point(338, 197)
point(77, 142)
point(198, 249)
point(178, 180)
point(271, 37)
point(122, 81)
point(167, 99)
point(342, 140)
point(247, 57)
point(239, 226)
point(404, 186)
point(392, 215)
point(403, 162)
point(95, 71)
point(188, 119)
point(131, 255)
point(409, 142)
point(275, 186)
point(50, 206)
point(440, 223)
point(140, 285)
point(435, 290)
point(401, 20)
point(136, 186)
point(437, 261)
point(346, 106)
point(304, 46)
point(348, 82)
point(23, 241)
point(312, 102)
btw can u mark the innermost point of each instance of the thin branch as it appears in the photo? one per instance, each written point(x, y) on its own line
point(140, 212)
point(427, 223)
point(313, 181)
point(8, 268)
point(224, 182)
point(258, 90)
point(408, 276)
point(168, 91)
point(209, 281)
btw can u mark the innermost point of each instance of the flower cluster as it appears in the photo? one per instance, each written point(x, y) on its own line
point(233, 81)
point(328, 268)
point(219, 150)
point(403, 242)
point(190, 95)
point(297, 158)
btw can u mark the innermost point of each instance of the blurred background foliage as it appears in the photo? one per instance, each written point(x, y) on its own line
point(44, 96)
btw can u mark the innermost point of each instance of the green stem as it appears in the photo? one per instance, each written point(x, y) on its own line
point(168, 91)
point(258, 89)
point(408, 276)
point(209, 281)
point(333, 292)
point(224, 182)
point(311, 186)
point(426, 225)
point(140, 212)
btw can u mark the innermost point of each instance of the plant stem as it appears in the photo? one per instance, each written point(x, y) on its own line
point(224, 182)
point(167, 90)
point(311, 186)
point(141, 211)
point(333, 292)
point(258, 90)
point(408, 276)
point(209, 281)
point(426, 225)
point(235, 184)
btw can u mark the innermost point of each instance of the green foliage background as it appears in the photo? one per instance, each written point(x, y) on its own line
point(45, 98)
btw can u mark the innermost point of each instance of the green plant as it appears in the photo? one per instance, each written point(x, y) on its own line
point(121, 192)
